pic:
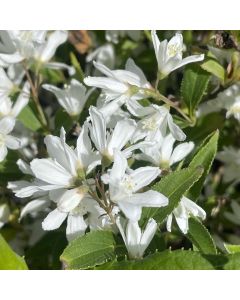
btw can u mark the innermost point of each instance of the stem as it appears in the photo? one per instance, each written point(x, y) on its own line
point(34, 89)
point(157, 96)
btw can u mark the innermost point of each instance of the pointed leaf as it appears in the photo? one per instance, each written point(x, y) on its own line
point(200, 237)
point(194, 85)
point(204, 158)
point(87, 251)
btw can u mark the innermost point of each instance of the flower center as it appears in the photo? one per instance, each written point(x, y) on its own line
point(174, 49)
point(128, 184)
point(150, 124)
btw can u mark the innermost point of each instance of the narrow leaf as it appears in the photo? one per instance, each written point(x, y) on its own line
point(200, 237)
point(204, 158)
point(194, 84)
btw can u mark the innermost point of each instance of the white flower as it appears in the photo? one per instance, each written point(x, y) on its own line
point(105, 142)
point(44, 53)
point(72, 98)
point(7, 108)
point(104, 55)
point(4, 214)
point(7, 141)
point(18, 45)
point(162, 154)
point(182, 212)
point(157, 123)
point(125, 184)
point(231, 158)
point(169, 54)
point(123, 86)
point(76, 223)
point(228, 100)
point(34, 45)
point(134, 238)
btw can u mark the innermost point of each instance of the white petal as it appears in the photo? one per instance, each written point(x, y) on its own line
point(69, 152)
point(169, 222)
point(156, 42)
point(122, 133)
point(12, 142)
point(148, 199)
point(131, 211)
point(70, 200)
point(144, 176)
point(132, 67)
point(178, 134)
point(167, 147)
point(6, 125)
point(76, 226)
point(181, 151)
point(189, 59)
point(148, 234)
point(34, 206)
point(51, 172)
point(106, 83)
point(98, 128)
point(54, 220)
point(24, 167)
point(119, 167)
point(55, 39)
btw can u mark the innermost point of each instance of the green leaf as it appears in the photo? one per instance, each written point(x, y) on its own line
point(213, 67)
point(200, 237)
point(79, 72)
point(194, 84)
point(166, 260)
point(232, 248)
point(173, 186)
point(9, 260)
point(92, 249)
point(28, 119)
point(204, 158)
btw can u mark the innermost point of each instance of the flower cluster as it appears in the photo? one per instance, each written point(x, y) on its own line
point(103, 180)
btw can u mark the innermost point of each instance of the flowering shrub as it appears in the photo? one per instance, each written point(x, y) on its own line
point(110, 156)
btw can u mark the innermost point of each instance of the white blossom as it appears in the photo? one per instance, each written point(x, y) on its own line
point(72, 98)
point(125, 187)
point(162, 153)
point(169, 54)
point(121, 86)
point(134, 238)
point(159, 121)
point(182, 212)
